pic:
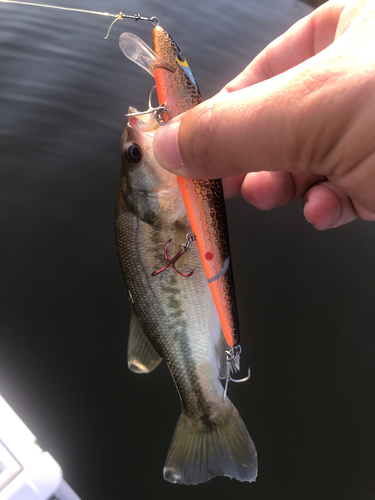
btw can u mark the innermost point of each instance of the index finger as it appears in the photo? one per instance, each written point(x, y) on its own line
point(303, 40)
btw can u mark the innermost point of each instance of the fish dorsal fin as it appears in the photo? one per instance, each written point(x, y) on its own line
point(142, 357)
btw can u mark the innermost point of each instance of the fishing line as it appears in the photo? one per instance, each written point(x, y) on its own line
point(137, 17)
point(60, 8)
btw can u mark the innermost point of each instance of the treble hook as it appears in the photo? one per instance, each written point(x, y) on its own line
point(183, 248)
point(231, 356)
point(158, 110)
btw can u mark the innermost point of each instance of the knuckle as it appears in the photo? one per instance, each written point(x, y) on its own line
point(363, 213)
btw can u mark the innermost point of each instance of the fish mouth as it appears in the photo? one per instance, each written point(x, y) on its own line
point(145, 122)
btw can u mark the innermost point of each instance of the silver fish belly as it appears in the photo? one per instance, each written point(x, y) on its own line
point(175, 318)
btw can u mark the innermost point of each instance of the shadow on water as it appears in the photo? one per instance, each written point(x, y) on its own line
point(305, 298)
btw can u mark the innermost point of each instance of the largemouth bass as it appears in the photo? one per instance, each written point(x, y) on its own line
point(175, 318)
point(179, 318)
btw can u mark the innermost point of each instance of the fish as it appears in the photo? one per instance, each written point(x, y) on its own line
point(174, 315)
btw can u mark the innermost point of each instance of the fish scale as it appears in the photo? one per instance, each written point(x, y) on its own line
point(173, 334)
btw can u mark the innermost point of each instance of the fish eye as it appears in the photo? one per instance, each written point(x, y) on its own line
point(133, 153)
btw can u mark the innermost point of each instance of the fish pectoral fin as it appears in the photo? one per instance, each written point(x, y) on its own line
point(200, 452)
point(142, 356)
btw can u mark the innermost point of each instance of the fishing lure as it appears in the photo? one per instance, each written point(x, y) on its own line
point(204, 200)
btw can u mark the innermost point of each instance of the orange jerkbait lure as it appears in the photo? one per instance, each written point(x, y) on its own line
point(204, 199)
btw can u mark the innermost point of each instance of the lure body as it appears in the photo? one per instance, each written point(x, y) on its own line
point(204, 199)
point(175, 317)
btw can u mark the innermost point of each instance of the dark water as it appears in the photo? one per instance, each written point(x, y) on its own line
point(305, 298)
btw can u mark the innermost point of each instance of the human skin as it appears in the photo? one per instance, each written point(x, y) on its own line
point(299, 121)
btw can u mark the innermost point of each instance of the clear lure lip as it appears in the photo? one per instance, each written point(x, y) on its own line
point(135, 49)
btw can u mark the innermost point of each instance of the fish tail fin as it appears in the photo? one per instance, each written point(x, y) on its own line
point(202, 450)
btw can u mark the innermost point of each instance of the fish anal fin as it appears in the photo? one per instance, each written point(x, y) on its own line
point(142, 356)
point(198, 452)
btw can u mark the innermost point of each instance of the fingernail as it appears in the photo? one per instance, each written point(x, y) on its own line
point(306, 212)
point(165, 147)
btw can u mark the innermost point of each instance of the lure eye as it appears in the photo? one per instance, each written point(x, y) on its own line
point(133, 153)
point(179, 56)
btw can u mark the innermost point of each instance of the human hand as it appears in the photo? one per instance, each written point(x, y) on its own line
point(299, 121)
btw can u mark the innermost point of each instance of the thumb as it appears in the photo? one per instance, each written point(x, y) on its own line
point(268, 126)
point(296, 120)
point(252, 124)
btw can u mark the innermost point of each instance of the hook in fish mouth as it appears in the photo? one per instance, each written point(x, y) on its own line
point(183, 248)
point(158, 110)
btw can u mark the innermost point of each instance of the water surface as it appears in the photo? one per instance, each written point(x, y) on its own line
point(305, 298)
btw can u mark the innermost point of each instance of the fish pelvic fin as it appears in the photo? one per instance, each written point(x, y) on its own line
point(200, 452)
point(142, 357)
